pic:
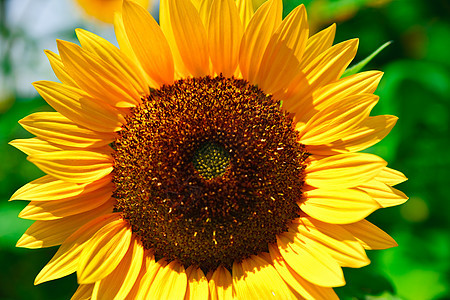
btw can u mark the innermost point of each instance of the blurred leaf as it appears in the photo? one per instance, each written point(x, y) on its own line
point(412, 90)
point(20, 267)
point(364, 281)
point(325, 12)
point(358, 67)
point(419, 266)
point(9, 126)
point(384, 296)
point(16, 170)
point(437, 41)
point(11, 227)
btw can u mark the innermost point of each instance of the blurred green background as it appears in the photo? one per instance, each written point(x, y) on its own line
point(415, 87)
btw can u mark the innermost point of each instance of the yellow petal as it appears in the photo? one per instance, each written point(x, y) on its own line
point(256, 37)
point(118, 284)
point(167, 28)
point(204, 8)
point(147, 263)
point(115, 58)
point(48, 188)
point(65, 261)
point(361, 83)
point(57, 209)
point(224, 34)
point(306, 289)
point(283, 53)
point(74, 166)
point(330, 65)
point(152, 269)
point(83, 292)
point(245, 8)
point(104, 251)
point(43, 234)
point(370, 236)
point(57, 129)
point(170, 282)
point(247, 282)
point(34, 146)
point(343, 170)
point(371, 131)
point(390, 176)
point(188, 33)
point(79, 107)
point(334, 240)
point(197, 287)
point(317, 44)
point(148, 43)
point(324, 69)
point(310, 261)
point(125, 47)
point(221, 285)
point(59, 68)
point(337, 120)
point(384, 194)
point(338, 206)
point(96, 77)
point(122, 38)
point(198, 3)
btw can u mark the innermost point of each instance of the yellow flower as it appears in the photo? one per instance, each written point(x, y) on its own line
point(104, 10)
point(213, 156)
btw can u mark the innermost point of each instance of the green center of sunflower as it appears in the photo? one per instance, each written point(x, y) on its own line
point(211, 160)
point(208, 171)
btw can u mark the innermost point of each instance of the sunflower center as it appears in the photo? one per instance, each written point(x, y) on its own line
point(211, 160)
point(208, 171)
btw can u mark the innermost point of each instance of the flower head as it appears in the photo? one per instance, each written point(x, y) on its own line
point(213, 155)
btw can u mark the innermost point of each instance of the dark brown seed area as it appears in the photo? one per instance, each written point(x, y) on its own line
point(208, 171)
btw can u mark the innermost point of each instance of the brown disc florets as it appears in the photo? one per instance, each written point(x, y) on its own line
point(208, 171)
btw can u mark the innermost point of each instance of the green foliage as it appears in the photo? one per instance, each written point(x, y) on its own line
point(366, 281)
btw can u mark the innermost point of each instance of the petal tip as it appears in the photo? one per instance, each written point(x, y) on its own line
point(24, 242)
point(22, 215)
point(40, 84)
point(12, 143)
point(38, 280)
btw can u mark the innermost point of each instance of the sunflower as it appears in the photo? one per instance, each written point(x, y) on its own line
point(214, 156)
point(104, 10)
